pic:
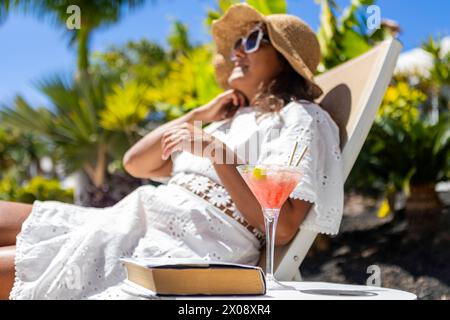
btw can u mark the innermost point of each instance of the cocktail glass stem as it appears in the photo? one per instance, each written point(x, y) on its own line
point(270, 221)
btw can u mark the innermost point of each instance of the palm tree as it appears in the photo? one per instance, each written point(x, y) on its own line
point(72, 125)
point(72, 122)
point(86, 126)
point(94, 14)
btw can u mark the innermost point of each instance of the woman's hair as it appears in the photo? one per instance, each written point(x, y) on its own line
point(287, 86)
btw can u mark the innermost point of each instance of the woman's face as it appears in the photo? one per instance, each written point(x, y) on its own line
point(252, 71)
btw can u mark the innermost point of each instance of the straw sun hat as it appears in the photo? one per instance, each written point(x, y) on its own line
point(288, 34)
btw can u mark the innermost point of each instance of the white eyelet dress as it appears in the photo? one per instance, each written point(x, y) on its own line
point(71, 252)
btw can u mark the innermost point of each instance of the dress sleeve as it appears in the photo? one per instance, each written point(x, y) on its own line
point(322, 181)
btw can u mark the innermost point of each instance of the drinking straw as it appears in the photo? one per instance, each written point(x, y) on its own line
point(302, 154)
point(293, 152)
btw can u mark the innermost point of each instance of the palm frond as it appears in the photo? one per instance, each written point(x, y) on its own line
point(23, 117)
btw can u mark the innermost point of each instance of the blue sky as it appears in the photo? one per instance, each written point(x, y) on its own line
point(31, 49)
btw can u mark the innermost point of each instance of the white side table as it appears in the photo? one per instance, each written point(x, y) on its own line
point(304, 291)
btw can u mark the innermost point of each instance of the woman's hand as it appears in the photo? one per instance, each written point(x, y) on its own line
point(147, 159)
point(186, 137)
point(222, 107)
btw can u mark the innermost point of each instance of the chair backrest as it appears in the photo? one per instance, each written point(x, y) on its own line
point(353, 93)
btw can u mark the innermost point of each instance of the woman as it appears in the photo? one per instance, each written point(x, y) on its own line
point(205, 210)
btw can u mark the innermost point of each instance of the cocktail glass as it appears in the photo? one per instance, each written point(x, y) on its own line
point(271, 185)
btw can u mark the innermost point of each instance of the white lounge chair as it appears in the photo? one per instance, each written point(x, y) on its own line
point(353, 93)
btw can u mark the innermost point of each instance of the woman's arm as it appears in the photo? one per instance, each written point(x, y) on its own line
point(146, 159)
point(292, 213)
point(143, 160)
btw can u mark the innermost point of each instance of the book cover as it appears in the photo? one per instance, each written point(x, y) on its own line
point(194, 277)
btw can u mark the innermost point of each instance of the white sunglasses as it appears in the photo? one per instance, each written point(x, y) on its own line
point(250, 42)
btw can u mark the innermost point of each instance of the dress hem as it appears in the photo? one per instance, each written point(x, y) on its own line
point(318, 230)
point(20, 240)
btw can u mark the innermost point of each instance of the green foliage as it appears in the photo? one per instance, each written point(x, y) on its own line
point(269, 7)
point(221, 8)
point(402, 147)
point(94, 118)
point(20, 153)
point(177, 80)
point(401, 105)
point(179, 40)
point(141, 61)
point(440, 73)
point(72, 124)
point(189, 84)
point(407, 145)
point(345, 37)
point(7, 145)
point(437, 83)
point(38, 188)
point(126, 107)
point(266, 7)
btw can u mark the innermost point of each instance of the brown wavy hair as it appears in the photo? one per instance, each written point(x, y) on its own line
point(287, 86)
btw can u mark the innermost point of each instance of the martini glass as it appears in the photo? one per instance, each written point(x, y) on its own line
point(271, 185)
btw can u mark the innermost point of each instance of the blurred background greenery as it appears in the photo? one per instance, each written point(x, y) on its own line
point(118, 95)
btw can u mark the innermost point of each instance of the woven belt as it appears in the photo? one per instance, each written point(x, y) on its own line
point(215, 194)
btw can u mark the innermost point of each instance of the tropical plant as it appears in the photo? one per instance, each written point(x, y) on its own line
point(266, 7)
point(124, 115)
point(182, 77)
point(404, 151)
point(409, 141)
point(21, 153)
point(178, 40)
point(8, 143)
point(70, 123)
point(440, 71)
point(92, 122)
point(437, 83)
point(413, 150)
point(346, 36)
point(189, 84)
point(142, 61)
point(38, 188)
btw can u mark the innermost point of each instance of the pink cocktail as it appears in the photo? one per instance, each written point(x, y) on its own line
point(271, 185)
